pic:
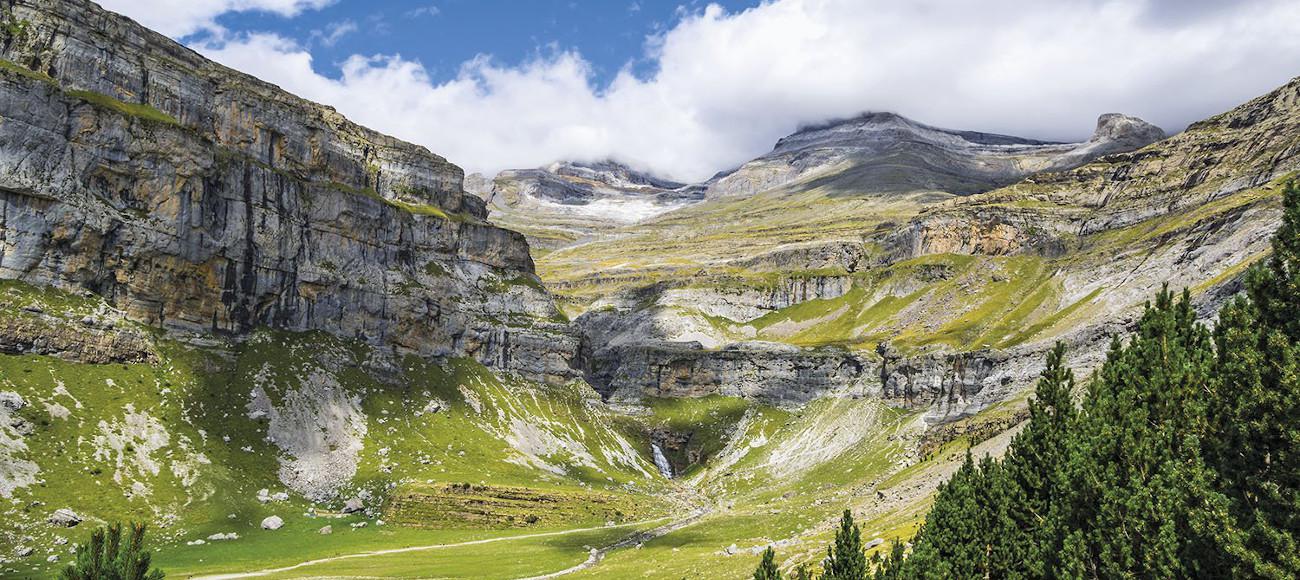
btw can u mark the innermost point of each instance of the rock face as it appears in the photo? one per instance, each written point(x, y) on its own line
point(886, 153)
point(202, 200)
point(768, 372)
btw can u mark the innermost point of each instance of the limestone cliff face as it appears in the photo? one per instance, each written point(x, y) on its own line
point(201, 200)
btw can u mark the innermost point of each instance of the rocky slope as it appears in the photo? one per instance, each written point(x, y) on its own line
point(565, 201)
point(887, 153)
point(946, 304)
point(201, 200)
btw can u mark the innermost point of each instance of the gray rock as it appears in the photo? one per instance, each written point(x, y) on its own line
point(11, 401)
point(325, 531)
point(64, 517)
point(272, 523)
point(353, 505)
point(23, 551)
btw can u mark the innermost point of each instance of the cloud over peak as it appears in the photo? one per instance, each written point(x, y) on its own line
point(724, 86)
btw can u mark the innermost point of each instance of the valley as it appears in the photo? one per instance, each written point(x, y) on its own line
point(297, 347)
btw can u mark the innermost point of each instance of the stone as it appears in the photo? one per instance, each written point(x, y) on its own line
point(874, 542)
point(353, 505)
point(325, 530)
point(64, 517)
point(23, 551)
point(223, 537)
point(272, 523)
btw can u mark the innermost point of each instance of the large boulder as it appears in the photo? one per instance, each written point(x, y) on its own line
point(64, 518)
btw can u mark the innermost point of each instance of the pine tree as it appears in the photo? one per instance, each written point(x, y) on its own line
point(1256, 410)
point(845, 560)
point(105, 557)
point(767, 569)
point(802, 572)
point(1141, 493)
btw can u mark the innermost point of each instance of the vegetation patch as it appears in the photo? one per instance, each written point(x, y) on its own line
point(137, 110)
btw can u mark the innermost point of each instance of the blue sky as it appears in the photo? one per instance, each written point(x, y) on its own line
point(443, 34)
point(687, 88)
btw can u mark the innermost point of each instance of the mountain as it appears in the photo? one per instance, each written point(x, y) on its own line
point(880, 153)
point(294, 345)
point(565, 201)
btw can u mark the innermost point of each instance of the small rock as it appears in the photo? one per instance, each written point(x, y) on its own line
point(874, 542)
point(195, 543)
point(280, 496)
point(434, 406)
point(225, 536)
point(24, 551)
point(64, 517)
point(32, 308)
point(272, 523)
point(11, 401)
point(353, 505)
point(59, 541)
point(53, 558)
point(325, 531)
point(88, 320)
point(731, 550)
point(359, 525)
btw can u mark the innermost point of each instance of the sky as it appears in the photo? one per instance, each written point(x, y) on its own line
point(686, 88)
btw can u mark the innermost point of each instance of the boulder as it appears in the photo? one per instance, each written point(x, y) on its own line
point(272, 523)
point(353, 505)
point(325, 531)
point(64, 517)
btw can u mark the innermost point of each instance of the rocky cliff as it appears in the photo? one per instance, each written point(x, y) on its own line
point(201, 200)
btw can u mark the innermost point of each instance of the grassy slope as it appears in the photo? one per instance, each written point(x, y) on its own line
point(119, 442)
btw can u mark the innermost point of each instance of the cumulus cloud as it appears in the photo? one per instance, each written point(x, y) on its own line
point(725, 86)
point(179, 18)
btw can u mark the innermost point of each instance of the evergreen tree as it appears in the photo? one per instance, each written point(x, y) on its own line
point(845, 560)
point(1255, 413)
point(802, 572)
point(1035, 464)
point(767, 569)
point(1141, 493)
point(106, 557)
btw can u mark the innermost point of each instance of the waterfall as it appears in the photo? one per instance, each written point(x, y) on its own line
point(661, 462)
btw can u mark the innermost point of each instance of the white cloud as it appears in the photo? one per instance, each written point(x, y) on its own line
point(178, 18)
point(428, 10)
point(727, 85)
point(333, 32)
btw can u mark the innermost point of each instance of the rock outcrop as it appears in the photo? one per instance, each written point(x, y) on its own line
point(201, 200)
point(1244, 148)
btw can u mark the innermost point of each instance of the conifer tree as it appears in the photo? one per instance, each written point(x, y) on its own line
point(106, 557)
point(1255, 412)
point(767, 569)
point(845, 560)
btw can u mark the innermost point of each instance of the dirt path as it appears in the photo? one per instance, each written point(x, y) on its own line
point(269, 571)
